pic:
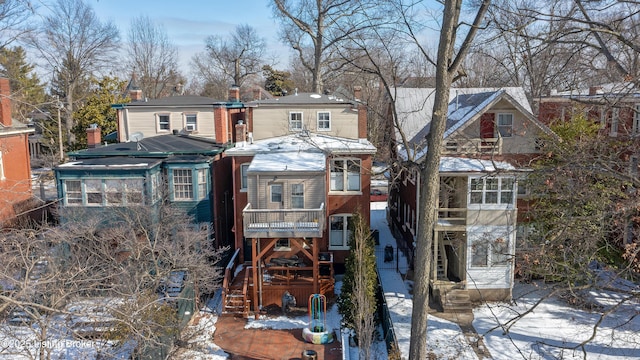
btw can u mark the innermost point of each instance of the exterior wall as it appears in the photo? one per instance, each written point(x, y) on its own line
point(240, 201)
point(405, 197)
point(15, 187)
point(270, 122)
point(492, 276)
point(222, 188)
point(144, 120)
point(314, 190)
point(491, 217)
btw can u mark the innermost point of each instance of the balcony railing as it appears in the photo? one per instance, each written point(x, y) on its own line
point(269, 223)
point(451, 217)
point(474, 146)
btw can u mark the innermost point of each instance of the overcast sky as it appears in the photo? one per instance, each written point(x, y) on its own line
point(189, 22)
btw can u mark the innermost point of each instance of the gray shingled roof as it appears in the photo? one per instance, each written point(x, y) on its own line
point(187, 100)
point(162, 145)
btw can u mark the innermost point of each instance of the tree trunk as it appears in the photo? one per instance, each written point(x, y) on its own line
point(429, 181)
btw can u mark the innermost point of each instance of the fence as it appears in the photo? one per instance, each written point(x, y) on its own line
point(392, 258)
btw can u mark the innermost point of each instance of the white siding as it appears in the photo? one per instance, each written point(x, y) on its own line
point(145, 120)
point(489, 277)
point(272, 122)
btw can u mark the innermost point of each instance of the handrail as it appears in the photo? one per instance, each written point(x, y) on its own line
point(229, 272)
point(245, 289)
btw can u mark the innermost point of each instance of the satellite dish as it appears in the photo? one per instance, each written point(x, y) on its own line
point(136, 136)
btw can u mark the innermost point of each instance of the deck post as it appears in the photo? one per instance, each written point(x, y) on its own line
point(316, 266)
point(254, 263)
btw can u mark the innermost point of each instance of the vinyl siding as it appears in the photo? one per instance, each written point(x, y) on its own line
point(270, 122)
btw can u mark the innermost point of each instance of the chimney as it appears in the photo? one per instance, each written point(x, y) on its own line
point(241, 131)
point(257, 94)
point(5, 102)
point(234, 93)
point(135, 94)
point(357, 93)
point(594, 90)
point(93, 136)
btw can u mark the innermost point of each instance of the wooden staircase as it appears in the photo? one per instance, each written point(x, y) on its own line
point(235, 289)
point(441, 263)
point(236, 303)
point(455, 300)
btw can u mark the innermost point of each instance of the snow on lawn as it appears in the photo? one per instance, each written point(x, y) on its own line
point(554, 330)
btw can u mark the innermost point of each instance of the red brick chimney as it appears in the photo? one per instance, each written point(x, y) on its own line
point(5, 102)
point(234, 93)
point(135, 95)
point(241, 134)
point(362, 113)
point(593, 90)
point(93, 136)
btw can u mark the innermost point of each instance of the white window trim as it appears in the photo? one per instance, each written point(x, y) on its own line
point(173, 185)
point(491, 262)
point(345, 178)
point(318, 120)
point(103, 192)
point(243, 176)
point(498, 206)
point(187, 125)
point(498, 126)
point(271, 186)
point(291, 128)
point(615, 121)
point(158, 129)
point(635, 128)
point(296, 196)
point(2, 177)
point(345, 233)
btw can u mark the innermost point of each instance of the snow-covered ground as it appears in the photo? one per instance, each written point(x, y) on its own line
point(552, 331)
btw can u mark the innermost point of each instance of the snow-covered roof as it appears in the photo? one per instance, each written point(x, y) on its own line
point(288, 162)
point(304, 142)
point(616, 88)
point(459, 164)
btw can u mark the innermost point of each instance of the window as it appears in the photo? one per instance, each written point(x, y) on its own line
point(192, 122)
point(297, 196)
point(182, 184)
point(295, 121)
point(1, 167)
point(341, 227)
point(324, 121)
point(488, 251)
point(202, 183)
point(635, 128)
point(243, 176)
point(93, 189)
point(614, 122)
point(73, 192)
point(156, 191)
point(164, 122)
point(345, 175)
point(282, 245)
point(492, 191)
point(276, 193)
point(505, 125)
point(104, 192)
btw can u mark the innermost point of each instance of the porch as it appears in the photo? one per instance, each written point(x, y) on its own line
point(272, 223)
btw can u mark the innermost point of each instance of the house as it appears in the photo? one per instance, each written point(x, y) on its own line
point(490, 135)
point(180, 168)
point(184, 114)
point(301, 168)
point(616, 106)
point(15, 163)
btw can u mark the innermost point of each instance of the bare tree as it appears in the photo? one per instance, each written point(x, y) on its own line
point(110, 278)
point(316, 29)
point(152, 57)
point(237, 57)
point(74, 44)
point(14, 16)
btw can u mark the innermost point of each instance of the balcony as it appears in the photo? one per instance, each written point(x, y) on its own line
point(474, 146)
point(451, 218)
point(282, 223)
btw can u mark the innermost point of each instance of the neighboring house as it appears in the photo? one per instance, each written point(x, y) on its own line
point(300, 174)
point(490, 134)
point(615, 106)
point(15, 163)
point(179, 168)
point(193, 115)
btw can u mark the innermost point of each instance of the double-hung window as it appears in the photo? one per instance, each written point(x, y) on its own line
point(191, 122)
point(202, 183)
point(499, 191)
point(295, 121)
point(182, 184)
point(164, 122)
point(341, 227)
point(243, 176)
point(345, 175)
point(487, 251)
point(297, 196)
point(73, 192)
point(276, 193)
point(1, 167)
point(505, 125)
point(324, 121)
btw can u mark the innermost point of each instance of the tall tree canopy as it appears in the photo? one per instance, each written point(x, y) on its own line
point(74, 44)
point(27, 93)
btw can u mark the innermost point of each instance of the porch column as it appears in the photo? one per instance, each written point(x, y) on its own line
point(254, 268)
point(316, 269)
